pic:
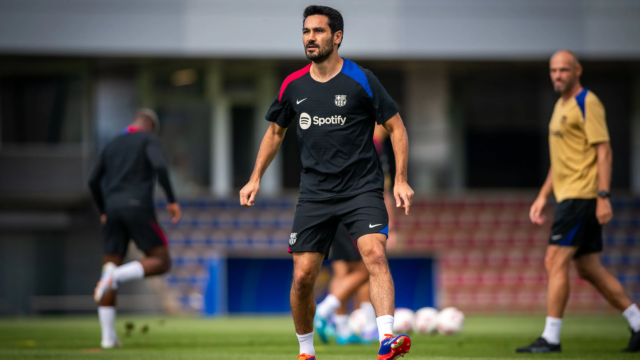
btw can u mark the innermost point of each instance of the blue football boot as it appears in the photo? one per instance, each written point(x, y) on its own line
point(349, 340)
point(321, 326)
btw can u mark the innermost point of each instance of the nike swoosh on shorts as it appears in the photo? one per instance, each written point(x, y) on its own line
point(372, 226)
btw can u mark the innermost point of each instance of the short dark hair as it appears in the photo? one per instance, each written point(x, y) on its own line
point(336, 23)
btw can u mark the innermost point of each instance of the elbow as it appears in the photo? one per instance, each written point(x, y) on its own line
point(605, 153)
point(608, 154)
point(396, 130)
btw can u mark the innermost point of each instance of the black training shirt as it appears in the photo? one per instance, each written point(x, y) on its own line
point(335, 121)
point(125, 174)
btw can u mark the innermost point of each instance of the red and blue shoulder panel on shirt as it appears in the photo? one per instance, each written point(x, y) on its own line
point(353, 71)
point(296, 75)
point(349, 68)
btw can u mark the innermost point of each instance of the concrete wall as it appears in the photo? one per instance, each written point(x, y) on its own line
point(375, 29)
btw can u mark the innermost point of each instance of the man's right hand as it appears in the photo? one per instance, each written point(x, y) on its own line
point(535, 213)
point(174, 212)
point(248, 193)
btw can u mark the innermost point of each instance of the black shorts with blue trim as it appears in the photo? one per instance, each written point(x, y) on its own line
point(575, 224)
point(316, 221)
point(344, 247)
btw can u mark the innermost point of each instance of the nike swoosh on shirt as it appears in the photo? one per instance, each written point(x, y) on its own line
point(372, 226)
point(556, 237)
point(299, 101)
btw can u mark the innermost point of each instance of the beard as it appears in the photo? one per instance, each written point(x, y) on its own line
point(564, 86)
point(322, 53)
point(560, 88)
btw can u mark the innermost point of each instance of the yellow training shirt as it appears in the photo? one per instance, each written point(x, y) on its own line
point(576, 125)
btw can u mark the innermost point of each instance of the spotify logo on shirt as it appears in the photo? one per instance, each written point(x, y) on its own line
point(305, 120)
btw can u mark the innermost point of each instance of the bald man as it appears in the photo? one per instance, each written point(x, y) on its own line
point(122, 184)
point(579, 178)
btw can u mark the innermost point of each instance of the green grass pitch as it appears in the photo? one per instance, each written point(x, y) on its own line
point(272, 338)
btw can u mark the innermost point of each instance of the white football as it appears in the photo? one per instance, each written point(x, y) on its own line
point(450, 321)
point(357, 321)
point(402, 321)
point(425, 320)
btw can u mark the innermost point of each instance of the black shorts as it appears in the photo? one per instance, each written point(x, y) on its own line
point(344, 248)
point(575, 224)
point(316, 221)
point(131, 223)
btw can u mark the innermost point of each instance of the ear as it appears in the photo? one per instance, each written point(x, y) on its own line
point(579, 70)
point(337, 37)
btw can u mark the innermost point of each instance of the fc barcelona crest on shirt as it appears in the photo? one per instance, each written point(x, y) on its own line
point(341, 100)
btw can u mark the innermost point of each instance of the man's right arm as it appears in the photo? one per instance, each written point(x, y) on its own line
point(268, 149)
point(535, 213)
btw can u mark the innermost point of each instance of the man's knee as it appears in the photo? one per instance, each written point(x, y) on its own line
point(549, 262)
point(303, 280)
point(557, 261)
point(584, 272)
point(161, 259)
point(375, 258)
point(588, 268)
point(166, 264)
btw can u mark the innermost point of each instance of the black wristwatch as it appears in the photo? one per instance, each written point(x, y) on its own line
point(604, 194)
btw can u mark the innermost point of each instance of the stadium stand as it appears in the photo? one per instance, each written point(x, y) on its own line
point(490, 257)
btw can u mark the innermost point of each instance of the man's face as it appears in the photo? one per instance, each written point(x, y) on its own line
point(145, 122)
point(564, 72)
point(317, 39)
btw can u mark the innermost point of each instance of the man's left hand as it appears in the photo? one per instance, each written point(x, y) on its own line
point(603, 211)
point(174, 212)
point(404, 196)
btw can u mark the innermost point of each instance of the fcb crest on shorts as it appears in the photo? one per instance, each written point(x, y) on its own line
point(341, 100)
point(293, 238)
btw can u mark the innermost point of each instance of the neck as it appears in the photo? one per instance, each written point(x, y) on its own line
point(573, 91)
point(327, 69)
point(138, 125)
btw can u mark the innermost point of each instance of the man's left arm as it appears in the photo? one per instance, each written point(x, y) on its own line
point(605, 159)
point(595, 127)
point(95, 185)
point(400, 142)
point(154, 155)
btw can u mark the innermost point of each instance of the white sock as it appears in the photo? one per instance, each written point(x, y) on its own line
point(551, 331)
point(370, 313)
point(385, 326)
point(633, 317)
point(342, 325)
point(328, 306)
point(306, 344)
point(127, 272)
point(107, 316)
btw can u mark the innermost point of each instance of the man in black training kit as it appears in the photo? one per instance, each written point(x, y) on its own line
point(334, 105)
point(122, 184)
